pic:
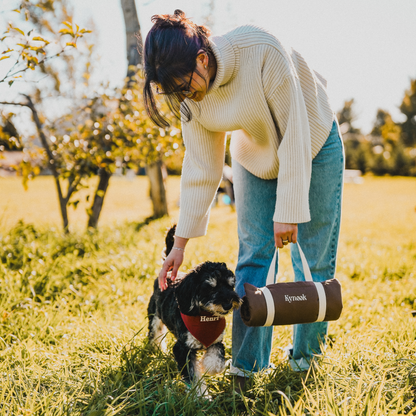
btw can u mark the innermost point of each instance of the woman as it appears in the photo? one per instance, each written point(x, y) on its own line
point(287, 159)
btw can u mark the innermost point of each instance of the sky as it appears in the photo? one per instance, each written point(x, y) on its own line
point(366, 49)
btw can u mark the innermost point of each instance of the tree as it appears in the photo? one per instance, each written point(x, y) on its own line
point(133, 59)
point(380, 121)
point(352, 137)
point(408, 108)
point(26, 52)
point(389, 154)
point(134, 45)
point(346, 117)
point(134, 48)
point(390, 131)
point(112, 134)
point(95, 133)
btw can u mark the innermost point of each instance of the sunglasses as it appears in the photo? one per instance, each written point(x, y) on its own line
point(186, 91)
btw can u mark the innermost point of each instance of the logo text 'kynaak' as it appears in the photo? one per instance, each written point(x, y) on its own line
point(291, 299)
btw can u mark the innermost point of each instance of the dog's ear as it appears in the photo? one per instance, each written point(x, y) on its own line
point(169, 240)
point(186, 296)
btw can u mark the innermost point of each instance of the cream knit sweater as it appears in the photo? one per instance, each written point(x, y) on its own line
point(278, 111)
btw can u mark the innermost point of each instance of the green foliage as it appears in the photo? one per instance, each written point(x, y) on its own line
point(357, 154)
point(380, 160)
point(30, 50)
point(98, 133)
point(380, 121)
point(408, 108)
point(111, 134)
point(383, 152)
point(346, 118)
point(43, 19)
point(9, 136)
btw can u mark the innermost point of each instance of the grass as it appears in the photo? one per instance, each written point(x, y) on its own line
point(73, 310)
point(126, 199)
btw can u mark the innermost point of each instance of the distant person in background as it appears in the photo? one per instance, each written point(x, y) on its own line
point(226, 188)
point(287, 160)
point(227, 179)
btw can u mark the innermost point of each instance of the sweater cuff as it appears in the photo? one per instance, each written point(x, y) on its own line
point(292, 206)
point(192, 228)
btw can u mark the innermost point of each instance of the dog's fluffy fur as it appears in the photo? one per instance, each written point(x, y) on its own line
point(209, 287)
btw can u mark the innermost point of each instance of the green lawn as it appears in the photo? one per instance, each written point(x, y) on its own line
point(73, 310)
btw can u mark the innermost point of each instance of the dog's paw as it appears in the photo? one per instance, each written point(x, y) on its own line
point(157, 333)
point(200, 389)
point(212, 363)
point(159, 343)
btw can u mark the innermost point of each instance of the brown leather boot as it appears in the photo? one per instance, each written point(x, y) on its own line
point(240, 384)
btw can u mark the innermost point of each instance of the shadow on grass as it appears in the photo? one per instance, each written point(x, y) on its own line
point(146, 382)
point(139, 225)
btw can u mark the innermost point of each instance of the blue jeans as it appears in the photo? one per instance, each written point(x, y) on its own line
point(255, 203)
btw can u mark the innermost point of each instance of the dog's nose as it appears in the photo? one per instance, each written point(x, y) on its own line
point(227, 306)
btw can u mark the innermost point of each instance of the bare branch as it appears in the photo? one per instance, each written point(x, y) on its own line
point(7, 76)
point(9, 103)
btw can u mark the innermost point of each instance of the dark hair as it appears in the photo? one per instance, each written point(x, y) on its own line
point(170, 53)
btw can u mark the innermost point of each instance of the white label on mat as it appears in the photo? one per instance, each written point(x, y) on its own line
point(322, 301)
point(269, 305)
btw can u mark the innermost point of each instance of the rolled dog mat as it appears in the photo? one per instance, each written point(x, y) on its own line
point(292, 302)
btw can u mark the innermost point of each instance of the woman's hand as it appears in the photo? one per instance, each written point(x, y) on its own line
point(172, 262)
point(285, 234)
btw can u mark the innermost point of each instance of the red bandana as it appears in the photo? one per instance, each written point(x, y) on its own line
point(206, 328)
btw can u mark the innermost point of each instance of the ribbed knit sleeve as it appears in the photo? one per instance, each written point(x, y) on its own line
point(295, 160)
point(201, 175)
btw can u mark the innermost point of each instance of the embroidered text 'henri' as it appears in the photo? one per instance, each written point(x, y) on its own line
point(205, 328)
point(209, 318)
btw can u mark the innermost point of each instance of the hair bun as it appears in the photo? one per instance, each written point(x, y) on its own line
point(179, 20)
point(179, 13)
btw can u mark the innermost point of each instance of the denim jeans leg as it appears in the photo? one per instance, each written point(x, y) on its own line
point(255, 204)
point(319, 239)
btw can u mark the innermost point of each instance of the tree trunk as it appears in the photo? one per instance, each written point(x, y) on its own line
point(157, 189)
point(63, 202)
point(134, 57)
point(134, 43)
point(134, 47)
point(63, 205)
point(99, 198)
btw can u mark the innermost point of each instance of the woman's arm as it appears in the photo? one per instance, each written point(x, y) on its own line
point(201, 175)
point(295, 156)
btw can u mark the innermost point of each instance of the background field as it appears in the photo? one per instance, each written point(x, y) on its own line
point(126, 199)
point(73, 309)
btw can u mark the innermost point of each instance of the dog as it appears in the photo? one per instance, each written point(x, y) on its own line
point(193, 310)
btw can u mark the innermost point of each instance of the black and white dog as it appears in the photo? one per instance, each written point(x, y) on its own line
point(193, 309)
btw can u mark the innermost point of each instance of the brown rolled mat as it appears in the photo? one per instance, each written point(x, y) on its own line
point(294, 303)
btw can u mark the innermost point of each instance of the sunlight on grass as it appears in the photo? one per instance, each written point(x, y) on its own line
point(126, 200)
point(73, 310)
